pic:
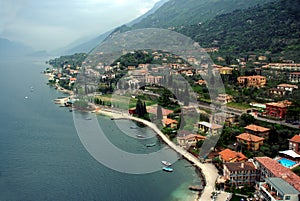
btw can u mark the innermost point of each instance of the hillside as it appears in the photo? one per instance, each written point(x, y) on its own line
point(11, 48)
point(188, 12)
point(273, 27)
point(87, 46)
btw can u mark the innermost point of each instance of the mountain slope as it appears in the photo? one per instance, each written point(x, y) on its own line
point(10, 48)
point(187, 12)
point(272, 27)
point(90, 44)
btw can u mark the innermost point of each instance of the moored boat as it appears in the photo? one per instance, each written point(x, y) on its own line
point(167, 169)
point(151, 144)
point(166, 163)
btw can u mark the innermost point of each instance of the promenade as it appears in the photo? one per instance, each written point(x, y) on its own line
point(208, 170)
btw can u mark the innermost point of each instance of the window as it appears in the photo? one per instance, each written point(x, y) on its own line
point(287, 197)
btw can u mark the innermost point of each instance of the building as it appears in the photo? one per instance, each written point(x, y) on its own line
point(278, 109)
point(294, 144)
point(150, 79)
point(276, 189)
point(283, 66)
point(169, 123)
point(287, 87)
point(229, 156)
point(271, 168)
point(225, 71)
point(257, 130)
point(224, 98)
point(252, 81)
point(294, 77)
point(240, 173)
point(209, 128)
point(221, 118)
point(275, 92)
point(165, 112)
point(189, 140)
point(252, 142)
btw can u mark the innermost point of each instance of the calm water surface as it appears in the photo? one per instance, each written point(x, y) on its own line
point(42, 158)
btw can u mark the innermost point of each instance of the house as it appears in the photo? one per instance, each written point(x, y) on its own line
point(252, 81)
point(131, 67)
point(276, 189)
point(294, 144)
point(189, 140)
point(222, 117)
point(201, 82)
point(153, 79)
point(287, 87)
point(283, 66)
point(165, 112)
point(240, 173)
point(225, 71)
point(227, 155)
point(257, 130)
point(271, 168)
point(277, 109)
point(209, 128)
point(275, 92)
point(169, 123)
point(252, 142)
point(294, 77)
point(224, 98)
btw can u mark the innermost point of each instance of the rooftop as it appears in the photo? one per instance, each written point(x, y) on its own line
point(282, 104)
point(282, 186)
point(296, 138)
point(228, 154)
point(210, 125)
point(257, 128)
point(192, 136)
point(168, 121)
point(280, 171)
point(249, 137)
point(238, 166)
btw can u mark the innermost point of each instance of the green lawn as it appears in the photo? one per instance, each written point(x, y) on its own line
point(241, 106)
point(123, 102)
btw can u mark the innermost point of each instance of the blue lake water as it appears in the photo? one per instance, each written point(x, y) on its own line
point(42, 158)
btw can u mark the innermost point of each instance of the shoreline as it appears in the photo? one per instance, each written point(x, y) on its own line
point(206, 172)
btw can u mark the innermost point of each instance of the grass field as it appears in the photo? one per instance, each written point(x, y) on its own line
point(240, 106)
point(123, 102)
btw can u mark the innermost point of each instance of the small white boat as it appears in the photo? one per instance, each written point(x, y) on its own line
point(166, 163)
point(140, 136)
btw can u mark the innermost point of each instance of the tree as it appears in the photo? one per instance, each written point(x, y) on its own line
point(246, 119)
point(159, 112)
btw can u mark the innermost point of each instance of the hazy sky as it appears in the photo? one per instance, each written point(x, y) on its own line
point(50, 24)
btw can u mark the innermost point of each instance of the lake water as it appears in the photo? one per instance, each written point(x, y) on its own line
point(42, 157)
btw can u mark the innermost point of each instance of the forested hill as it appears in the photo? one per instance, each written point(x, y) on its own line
point(273, 27)
point(187, 12)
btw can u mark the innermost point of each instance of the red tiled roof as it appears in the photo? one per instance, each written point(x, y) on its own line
point(249, 137)
point(190, 136)
point(228, 154)
point(296, 138)
point(165, 112)
point(279, 171)
point(240, 166)
point(168, 121)
point(282, 104)
point(254, 127)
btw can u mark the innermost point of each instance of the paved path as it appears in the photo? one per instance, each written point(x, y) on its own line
point(209, 170)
